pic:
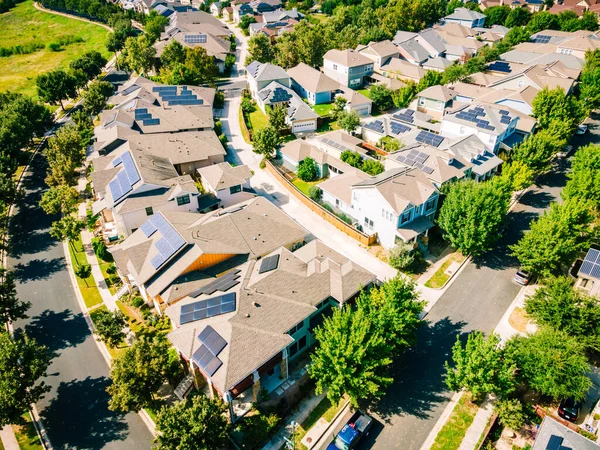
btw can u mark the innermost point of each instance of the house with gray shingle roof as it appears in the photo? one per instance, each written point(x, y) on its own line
point(230, 184)
point(259, 75)
point(269, 311)
point(347, 67)
point(312, 84)
point(466, 17)
point(300, 117)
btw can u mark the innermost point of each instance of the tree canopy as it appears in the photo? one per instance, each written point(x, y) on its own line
point(265, 140)
point(56, 86)
point(11, 308)
point(584, 177)
point(307, 169)
point(65, 153)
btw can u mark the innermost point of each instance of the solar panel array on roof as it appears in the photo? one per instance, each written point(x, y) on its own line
point(129, 89)
point(269, 263)
point(146, 117)
point(333, 144)
point(505, 120)
point(169, 95)
point(473, 115)
point(429, 138)
point(280, 95)
point(168, 244)
point(398, 128)
point(405, 116)
point(117, 161)
point(203, 309)
point(541, 39)
point(503, 112)
point(125, 179)
point(207, 354)
point(195, 38)
point(223, 283)
point(591, 264)
point(417, 159)
point(500, 66)
point(376, 126)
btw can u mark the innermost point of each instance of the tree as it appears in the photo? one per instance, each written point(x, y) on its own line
point(555, 238)
point(22, 363)
point(517, 175)
point(589, 86)
point(555, 106)
point(455, 72)
point(245, 22)
point(552, 363)
point(510, 413)
point(351, 357)
point(559, 306)
point(584, 177)
point(65, 153)
point(90, 64)
point(543, 20)
point(155, 25)
point(339, 106)
point(372, 166)
point(172, 54)
point(381, 97)
point(265, 140)
point(59, 199)
point(352, 158)
point(537, 150)
point(390, 144)
point(589, 21)
point(67, 228)
point(109, 326)
point(518, 17)
point(431, 78)
point(277, 116)
point(11, 308)
point(56, 86)
point(472, 214)
point(480, 367)
point(196, 423)
point(139, 53)
point(307, 169)
point(201, 65)
point(138, 373)
point(94, 100)
point(348, 121)
point(401, 256)
point(260, 49)
point(403, 96)
point(84, 271)
point(315, 193)
point(496, 15)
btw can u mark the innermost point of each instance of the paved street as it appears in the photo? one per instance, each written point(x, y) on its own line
point(75, 412)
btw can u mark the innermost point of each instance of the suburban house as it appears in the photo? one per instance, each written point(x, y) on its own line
point(316, 87)
point(379, 52)
point(265, 6)
point(356, 101)
point(280, 15)
point(398, 204)
point(338, 141)
point(293, 153)
point(434, 100)
point(300, 117)
point(228, 13)
point(215, 9)
point(252, 342)
point(588, 276)
point(440, 166)
point(274, 29)
point(484, 164)
point(553, 76)
point(240, 10)
point(403, 70)
point(174, 253)
point(466, 17)
point(347, 67)
point(229, 184)
point(491, 124)
point(406, 125)
point(259, 75)
point(554, 435)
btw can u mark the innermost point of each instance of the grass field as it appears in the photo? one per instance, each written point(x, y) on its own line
point(25, 25)
point(89, 291)
point(440, 277)
point(454, 430)
point(258, 119)
point(304, 186)
point(323, 109)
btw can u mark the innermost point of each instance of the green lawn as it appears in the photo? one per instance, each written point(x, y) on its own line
point(25, 25)
point(324, 409)
point(365, 92)
point(304, 186)
point(26, 435)
point(454, 430)
point(318, 18)
point(329, 126)
point(89, 291)
point(258, 119)
point(439, 278)
point(323, 109)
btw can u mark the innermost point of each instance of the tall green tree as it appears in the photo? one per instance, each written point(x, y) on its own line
point(589, 85)
point(193, 424)
point(155, 25)
point(584, 177)
point(537, 150)
point(472, 214)
point(90, 63)
point(11, 308)
point(372, 166)
point(496, 15)
point(94, 100)
point(543, 20)
point(348, 121)
point(173, 53)
point(139, 54)
point(552, 363)
point(265, 140)
point(553, 105)
point(67, 228)
point(137, 374)
point(351, 357)
point(381, 97)
point(201, 65)
point(307, 169)
point(517, 175)
point(352, 158)
point(277, 116)
point(109, 326)
point(84, 271)
point(59, 199)
point(260, 49)
point(481, 367)
point(65, 153)
point(555, 238)
point(557, 305)
point(22, 363)
point(56, 86)
point(517, 17)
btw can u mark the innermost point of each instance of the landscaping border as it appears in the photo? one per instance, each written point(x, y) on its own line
point(315, 207)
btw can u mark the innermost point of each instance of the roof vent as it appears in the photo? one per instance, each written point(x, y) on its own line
point(254, 238)
point(256, 305)
point(247, 315)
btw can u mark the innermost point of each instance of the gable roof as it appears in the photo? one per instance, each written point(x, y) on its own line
point(471, 149)
point(311, 79)
point(297, 108)
point(561, 437)
point(465, 14)
point(438, 92)
point(223, 175)
point(265, 72)
point(347, 58)
point(492, 118)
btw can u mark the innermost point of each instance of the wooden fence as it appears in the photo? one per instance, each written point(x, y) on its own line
point(373, 148)
point(318, 209)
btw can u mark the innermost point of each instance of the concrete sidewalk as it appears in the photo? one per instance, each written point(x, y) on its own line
point(480, 422)
point(7, 436)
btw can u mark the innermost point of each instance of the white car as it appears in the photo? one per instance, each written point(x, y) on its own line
point(582, 129)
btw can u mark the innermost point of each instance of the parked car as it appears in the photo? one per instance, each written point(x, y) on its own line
point(582, 129)
point(569, 409)
point(523, 278)
point(355, 429)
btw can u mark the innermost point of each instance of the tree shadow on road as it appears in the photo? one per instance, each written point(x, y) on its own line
point(38, 269)
point(58, 330)
point(537, 199)
point(78, 417)
point(419, 373)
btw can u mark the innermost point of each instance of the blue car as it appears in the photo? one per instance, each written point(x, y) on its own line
point(357, 427)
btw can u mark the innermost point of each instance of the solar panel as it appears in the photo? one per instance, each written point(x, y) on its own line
point(214, 342)
point(150, 122)
point(427, 170)
point(268, 264)
point(505, 119)
point(376, 126)
point(410, 112)
point(117, 161)
point(541, 39)
point(208, 362)
point(591, 264)
point(195, 38)
point(130, 169)
point(130, 89)
point(398, 128)
point(503, 112)
point(429, 138)
point(148, 228)
point(214, 306)
point(500, 66)
point(157, 261)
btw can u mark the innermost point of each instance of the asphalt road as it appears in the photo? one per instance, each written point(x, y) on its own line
point(476, 300)
point(75, 412)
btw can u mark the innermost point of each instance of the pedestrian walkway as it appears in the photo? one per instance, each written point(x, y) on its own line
point(480, 422)
point(7, 436)
point(110, 300)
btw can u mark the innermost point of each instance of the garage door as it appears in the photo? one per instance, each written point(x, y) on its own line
point(305, 126)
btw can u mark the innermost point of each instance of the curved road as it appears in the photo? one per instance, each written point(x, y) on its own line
point(75, 412)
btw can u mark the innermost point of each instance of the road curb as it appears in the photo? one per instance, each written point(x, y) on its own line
point(441, 421)
point(333, 422)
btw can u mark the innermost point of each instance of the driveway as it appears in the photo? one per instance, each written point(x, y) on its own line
point(476, 300)
point(75, 412)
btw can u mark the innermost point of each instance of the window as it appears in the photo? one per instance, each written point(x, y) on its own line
point(405, 217)
point(296, 328)
point(335, 67)
point(354, 195)
point(235, 189)
point(183, 200)
point(369, 223)
point(429, 205)
point(337, 203)
point(320, 305)
point(382, 212)
point(302, 343)
point(149, 211)
point(293, 349)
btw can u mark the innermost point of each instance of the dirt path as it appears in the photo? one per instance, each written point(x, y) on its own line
point(41, 8)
